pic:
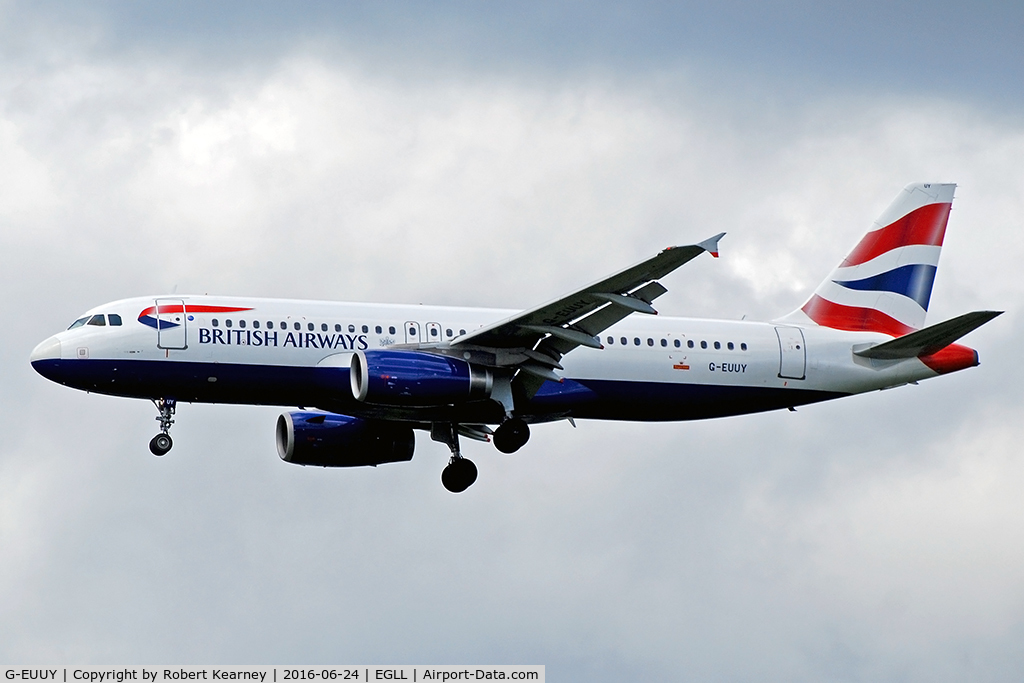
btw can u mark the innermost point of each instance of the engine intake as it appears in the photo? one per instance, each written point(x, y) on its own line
point(329, 440)
point(414, 378)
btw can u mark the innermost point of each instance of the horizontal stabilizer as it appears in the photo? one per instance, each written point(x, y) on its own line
point(929, 340)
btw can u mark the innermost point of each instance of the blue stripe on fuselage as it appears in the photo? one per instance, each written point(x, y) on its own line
point(328, 389)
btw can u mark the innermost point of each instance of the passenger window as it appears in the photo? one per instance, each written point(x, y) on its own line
point(717, 346)
point(650, 342)
point(241, 323)
point(433, 331)
point(323, 327)
point(461, 332)
point(743, 346)
point(391, 330)
point(97, 320)
point(703, 345)
point(636, 341)
point(664, 342)
point(351, 328)
point(378, 330)
point(78, 323)
point(115, 319)
point(412, 331)
point(730, 346)
point(227, 323)
point(622, 340)
point(298, 326)
point(270, 325)
point(256, 324)
point(678, 343)
point(365, 329)
point(284, 325)
point(611, 340)
point(449, 333)
point(310, 326)
point(689, 343)
point(215, 322)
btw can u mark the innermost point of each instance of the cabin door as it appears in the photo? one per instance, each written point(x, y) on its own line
point(171, 330)
point(792, 352)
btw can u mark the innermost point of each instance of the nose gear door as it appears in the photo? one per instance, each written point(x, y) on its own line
point(171, 330)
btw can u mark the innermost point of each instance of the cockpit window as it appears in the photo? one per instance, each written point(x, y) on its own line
point(97, 320)
point(115, 319)
point(79, 322)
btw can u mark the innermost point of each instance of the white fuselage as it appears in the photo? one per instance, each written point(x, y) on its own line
point(263, 351)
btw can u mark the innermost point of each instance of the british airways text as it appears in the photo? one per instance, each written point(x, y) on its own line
point(301, 340)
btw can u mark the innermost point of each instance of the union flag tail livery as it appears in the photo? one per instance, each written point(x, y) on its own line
point(376, 373)
point(885, 283)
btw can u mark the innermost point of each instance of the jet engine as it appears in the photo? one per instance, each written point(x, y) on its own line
point(329, 440)
point(414, 378)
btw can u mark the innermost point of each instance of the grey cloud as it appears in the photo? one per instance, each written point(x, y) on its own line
point(792, 50)
point(869, 538)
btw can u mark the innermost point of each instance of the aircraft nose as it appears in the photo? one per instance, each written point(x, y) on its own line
point(46, 350)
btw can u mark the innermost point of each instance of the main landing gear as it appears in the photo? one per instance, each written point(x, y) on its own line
point(511, 435)
point(161, 443)
point(460, 473)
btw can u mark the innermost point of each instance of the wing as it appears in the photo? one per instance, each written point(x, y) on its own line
point(533, 342)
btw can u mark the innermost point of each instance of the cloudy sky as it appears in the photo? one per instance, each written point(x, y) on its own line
point(501, 154)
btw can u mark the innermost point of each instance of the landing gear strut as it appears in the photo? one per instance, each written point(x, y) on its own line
point(511, 435)
point(161, 443)
point(460, 473)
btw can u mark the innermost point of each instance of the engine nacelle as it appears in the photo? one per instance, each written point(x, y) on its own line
point(329, 440)
point(414, 378)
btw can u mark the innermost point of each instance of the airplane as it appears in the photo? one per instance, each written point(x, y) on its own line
point(365, 376)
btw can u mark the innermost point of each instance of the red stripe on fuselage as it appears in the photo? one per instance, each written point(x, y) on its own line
point(853, 319)
point(952, 358)
point(178, 308)
point(926, 225)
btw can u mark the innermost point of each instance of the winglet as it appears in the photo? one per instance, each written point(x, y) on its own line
point(710, 245)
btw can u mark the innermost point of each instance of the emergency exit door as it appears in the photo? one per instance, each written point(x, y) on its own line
point(412, 333)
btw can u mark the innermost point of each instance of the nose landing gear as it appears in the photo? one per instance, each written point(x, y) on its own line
point(161, 443)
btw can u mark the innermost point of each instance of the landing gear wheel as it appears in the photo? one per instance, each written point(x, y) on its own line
point(459, 475)
point(160, 444)
point(511, 435)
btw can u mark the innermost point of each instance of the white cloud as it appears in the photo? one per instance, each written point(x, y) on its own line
point(932, 546)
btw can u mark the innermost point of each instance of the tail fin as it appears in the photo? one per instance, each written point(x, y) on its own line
point(885, 283)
